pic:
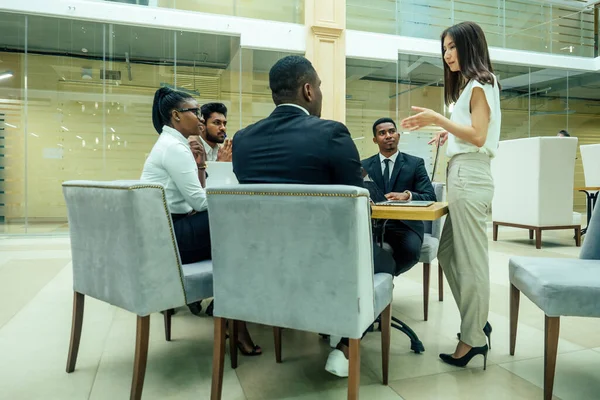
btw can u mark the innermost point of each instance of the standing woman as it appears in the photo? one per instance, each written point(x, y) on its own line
point(472, 133)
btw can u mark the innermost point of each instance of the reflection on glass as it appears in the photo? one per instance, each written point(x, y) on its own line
point(256, 102)
point(272, 10)
point(551, 27)
point(89, 97)
point(13, 117)
point(371, 88)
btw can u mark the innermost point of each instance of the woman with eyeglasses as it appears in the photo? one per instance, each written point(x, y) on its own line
point(473, 133)
point(180, 166)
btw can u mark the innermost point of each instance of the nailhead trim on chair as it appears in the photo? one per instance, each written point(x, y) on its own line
point(284, 194)
point(169, 220)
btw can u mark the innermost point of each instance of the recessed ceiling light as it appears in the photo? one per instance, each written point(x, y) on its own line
point(6, 75)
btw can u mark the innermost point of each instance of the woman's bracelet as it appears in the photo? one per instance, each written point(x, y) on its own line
point(202, 166)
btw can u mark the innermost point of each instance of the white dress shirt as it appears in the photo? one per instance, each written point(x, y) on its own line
point(462, 115)
point(172, 164)
point(392, 159)
point(294, 105)
point(211, 153)
point(392, 162)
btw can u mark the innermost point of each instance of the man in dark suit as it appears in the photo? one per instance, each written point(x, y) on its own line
point(294, 145)
point(398, 176)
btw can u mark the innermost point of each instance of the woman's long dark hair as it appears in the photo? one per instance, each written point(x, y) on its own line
point(165, 101)
point(473, 57)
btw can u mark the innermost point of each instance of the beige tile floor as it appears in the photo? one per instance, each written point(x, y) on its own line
point(36, 295)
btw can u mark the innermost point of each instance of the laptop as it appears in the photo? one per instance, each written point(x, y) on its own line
point(220, 173)
point(403, 203)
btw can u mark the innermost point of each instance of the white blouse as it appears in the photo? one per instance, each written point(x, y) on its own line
point(172, 164)
point(462, 115)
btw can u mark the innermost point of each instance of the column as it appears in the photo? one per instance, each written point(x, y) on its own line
point(326, 49)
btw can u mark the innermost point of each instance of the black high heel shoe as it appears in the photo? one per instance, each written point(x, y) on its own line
point(464, 360)
point(487, 330)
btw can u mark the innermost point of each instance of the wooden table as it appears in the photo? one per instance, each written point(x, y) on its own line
point(435, 211)
point(591, 193)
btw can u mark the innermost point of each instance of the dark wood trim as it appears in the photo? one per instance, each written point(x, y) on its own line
point(218, 358)
point(426, 276)
point(440, 282)
point(538, 231)
point(552, 328)
point(354, 370)
point(515, 296)
point(167, 317)
point(386, 327)
point(141, 357)
point(234, 327)
point(76, 325)
point(277, 337)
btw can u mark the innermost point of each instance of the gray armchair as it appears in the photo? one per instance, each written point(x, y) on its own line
point(297, 257)
point(431, 243)
point(560, 287)
point(125, 254)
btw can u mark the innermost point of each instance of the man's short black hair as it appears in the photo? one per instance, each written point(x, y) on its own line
point(382, 121)
point(288, 75)
point(209, 108)
point(565, 133)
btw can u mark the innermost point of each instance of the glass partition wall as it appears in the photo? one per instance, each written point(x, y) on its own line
point(272, 10)
point(77, 104)
point(557, 27)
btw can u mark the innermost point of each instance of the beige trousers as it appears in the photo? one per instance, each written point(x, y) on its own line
point(463, 251)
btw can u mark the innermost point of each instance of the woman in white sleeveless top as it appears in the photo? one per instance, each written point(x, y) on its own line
point(472, 133)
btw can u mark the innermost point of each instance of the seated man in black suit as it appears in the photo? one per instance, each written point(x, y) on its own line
point(398, 176)
point(295, 146)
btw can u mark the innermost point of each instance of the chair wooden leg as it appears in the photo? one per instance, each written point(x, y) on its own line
point(386, 322)
point(515, 296)
point(495, 231)
point(218, 358)
point(277, 336)
point(167, 316)
point(141, 357)
point(550, 350)
point(233, 341)
point(76, 325)
point(531, 234)
point(354, 369)
point(426, 276)
point(440, 283)
point(578, 237)
point(538, 238)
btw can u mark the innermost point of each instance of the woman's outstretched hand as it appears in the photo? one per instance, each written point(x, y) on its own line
point(424, 117)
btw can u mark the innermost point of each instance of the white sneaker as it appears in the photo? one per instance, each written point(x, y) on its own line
point(337, 364)
point(334, 340)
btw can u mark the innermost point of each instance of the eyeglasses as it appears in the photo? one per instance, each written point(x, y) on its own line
point(195, 110)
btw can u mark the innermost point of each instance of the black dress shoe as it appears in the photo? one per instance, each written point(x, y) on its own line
point(464, 360)
point(195, 307)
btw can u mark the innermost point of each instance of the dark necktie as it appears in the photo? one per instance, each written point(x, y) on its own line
point(386, 176)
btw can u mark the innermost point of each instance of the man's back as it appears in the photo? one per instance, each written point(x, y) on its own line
point(290, 146)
